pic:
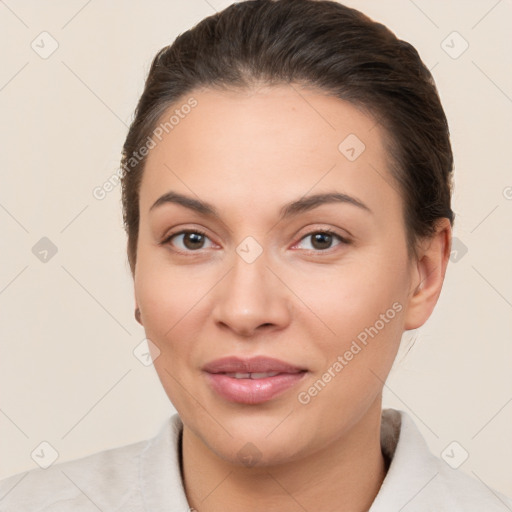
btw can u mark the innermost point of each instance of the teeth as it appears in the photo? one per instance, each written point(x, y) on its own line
point(263, 375)
point(239, 375)
point(252, 375)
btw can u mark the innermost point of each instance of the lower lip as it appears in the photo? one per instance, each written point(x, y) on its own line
point(253, 391)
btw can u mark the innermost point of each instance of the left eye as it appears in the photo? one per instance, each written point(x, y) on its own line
point(322, 240)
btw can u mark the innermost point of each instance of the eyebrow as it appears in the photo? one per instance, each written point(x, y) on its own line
point(291, 209)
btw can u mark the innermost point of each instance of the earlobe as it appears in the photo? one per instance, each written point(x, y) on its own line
point(428, 276)
point(137, 312)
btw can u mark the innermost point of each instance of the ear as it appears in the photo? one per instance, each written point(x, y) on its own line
point(137, 312)
point(427, 275)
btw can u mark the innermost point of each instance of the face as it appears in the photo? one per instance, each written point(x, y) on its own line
point(290, 246)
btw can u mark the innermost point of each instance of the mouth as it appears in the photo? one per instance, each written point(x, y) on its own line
point(252, 381)
point(261, 375)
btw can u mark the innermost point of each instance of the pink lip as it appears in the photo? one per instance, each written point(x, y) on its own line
point(258, 364)
point(247, 390)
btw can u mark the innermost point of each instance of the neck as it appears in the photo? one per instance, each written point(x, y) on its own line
point(344, 476)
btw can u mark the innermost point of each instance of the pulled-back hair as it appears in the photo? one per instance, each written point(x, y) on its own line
point(313, 43)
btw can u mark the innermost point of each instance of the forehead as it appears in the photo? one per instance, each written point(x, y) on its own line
point(267, 144)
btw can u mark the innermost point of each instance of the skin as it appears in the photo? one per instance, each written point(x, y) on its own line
point(248, 153)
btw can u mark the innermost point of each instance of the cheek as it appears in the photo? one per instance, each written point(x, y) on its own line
point(367, 322)
point(174, 305)
point(168, 303)
point(349, 297)
point(164, 292)
point(362, 304)
point(168, 308)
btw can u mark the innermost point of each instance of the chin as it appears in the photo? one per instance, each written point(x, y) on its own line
point(258, 454)
point(253, 442)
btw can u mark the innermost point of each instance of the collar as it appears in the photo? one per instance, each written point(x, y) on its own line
point(415, 481)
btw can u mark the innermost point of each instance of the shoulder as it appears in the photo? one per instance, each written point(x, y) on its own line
point(133, 478)
point(460, 491)
point(89, 483)
point(419, 481)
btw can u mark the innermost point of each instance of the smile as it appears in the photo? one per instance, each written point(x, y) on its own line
point(252, 380)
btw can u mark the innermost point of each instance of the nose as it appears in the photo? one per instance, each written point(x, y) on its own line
point(252, 298)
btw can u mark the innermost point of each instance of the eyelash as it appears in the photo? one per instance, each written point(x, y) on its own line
point(343, 240)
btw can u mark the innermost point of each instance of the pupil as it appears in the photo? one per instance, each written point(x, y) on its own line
point(324, 238)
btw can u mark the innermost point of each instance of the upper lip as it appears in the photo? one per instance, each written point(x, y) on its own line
point(259, 364)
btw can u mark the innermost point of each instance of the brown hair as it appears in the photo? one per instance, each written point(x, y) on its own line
point(315, 43)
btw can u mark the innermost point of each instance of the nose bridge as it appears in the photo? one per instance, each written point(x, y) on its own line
point(250, 295)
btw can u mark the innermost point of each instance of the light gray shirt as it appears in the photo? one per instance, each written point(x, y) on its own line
point(145, 477)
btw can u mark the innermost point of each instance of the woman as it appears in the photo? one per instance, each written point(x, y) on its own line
point(286, 194)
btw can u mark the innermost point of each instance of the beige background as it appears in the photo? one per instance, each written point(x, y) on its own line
point(68, 375)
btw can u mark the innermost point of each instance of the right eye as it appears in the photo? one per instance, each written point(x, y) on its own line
point(190, 240)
